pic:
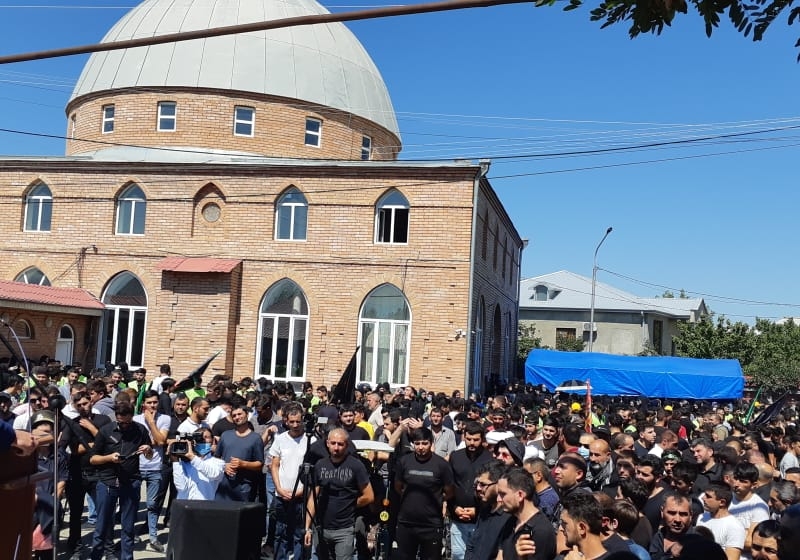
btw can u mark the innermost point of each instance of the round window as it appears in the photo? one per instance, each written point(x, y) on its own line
point(211, 212)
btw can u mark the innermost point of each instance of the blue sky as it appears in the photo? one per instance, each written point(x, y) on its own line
point(714, 211)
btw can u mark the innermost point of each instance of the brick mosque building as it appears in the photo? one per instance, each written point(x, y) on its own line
point(243, 194)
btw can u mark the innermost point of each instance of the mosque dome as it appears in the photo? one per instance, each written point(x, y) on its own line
point(321, 65)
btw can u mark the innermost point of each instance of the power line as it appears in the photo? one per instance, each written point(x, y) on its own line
point(389, 11)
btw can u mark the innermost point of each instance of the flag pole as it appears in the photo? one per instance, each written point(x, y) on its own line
point(752, 406)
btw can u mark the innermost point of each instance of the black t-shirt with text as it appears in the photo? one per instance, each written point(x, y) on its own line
point(340, 485)
point(424, 481)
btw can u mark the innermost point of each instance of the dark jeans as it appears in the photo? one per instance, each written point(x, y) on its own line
point(167, 482)
point(289, 529)
point(411, 538)
point(77, 489)
point(106, 496)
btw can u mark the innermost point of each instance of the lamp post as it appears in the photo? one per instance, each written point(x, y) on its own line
point(594, 282)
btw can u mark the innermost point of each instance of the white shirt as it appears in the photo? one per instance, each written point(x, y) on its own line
point(727, 531)
point(291, 452)
point(198, 479)
point(163, 423)
point(217, 413)
point(752, 510)
point(189, 426)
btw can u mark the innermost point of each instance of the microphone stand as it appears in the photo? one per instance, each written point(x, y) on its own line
point(307, 474)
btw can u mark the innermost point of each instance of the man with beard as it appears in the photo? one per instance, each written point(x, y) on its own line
point(647, 439)
point(444, 439)
point(197, 417)
point(342, 488)
point(79, 435)
point(765, 540)
point(286, 453)
point(548, 497)
point(423, 480)
point(243, 452)
point(151, 469)
point(465, 464)
point(515, 492)
point(548, 445)
point(601, 467)
point(710, 469)
point(676, 514)
point(492, 519)
point(783, 494)
point(347, 420)
point(117, 447)
point(569, 475)
point(649, 471)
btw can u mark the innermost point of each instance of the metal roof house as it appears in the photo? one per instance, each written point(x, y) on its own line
point(559, 303)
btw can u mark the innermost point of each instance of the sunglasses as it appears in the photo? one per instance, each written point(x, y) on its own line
point(34, 401)
point(483, 485)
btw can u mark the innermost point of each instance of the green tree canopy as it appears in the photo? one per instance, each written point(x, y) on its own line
point(650, 16)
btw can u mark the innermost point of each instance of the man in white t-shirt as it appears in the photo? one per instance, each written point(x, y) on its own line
point(286, 455)
point(727, 530)
point(197, 417)
point(746, 505)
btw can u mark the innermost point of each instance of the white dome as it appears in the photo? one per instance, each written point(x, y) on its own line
point(323, 64)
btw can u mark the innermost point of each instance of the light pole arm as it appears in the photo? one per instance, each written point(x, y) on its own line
point(594, 283)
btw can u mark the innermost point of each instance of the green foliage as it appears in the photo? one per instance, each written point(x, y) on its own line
point(569, 344)
point(650, 16)
point(527, 341)
point(768, 352)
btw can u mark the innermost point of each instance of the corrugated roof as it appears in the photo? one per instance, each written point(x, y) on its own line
point(323, 64)
point(567, 290)
point(48, 295)
point(197, 264)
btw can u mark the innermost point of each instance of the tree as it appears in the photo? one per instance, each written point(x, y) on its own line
point(709, 338)
point(526, 341)
point(650, 16)
point(569, 344)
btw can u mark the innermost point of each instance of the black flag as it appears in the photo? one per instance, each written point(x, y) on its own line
point(770, 412)
point(189, 382)
point(345, 391)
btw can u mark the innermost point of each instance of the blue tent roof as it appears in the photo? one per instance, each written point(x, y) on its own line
point(650, 376)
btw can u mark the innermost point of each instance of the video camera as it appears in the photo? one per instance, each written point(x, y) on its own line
point(180, 447)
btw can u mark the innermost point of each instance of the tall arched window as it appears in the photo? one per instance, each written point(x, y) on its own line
point(33, 275)
point(65, 344)
point(131, 209)
point(38, 208)
point(391, 218)
point(283, 332)
point(291, 216)
point(124, 321)
point(477, 347)
point(384, 329)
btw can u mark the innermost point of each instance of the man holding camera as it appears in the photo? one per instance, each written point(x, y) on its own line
point(342, 486)
point(117, 447)
point(195, 470)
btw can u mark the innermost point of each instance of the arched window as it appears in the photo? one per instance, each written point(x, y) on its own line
point(33, 275)
point(283, 332)
point(23, 329)
point(131, 208)
point(384, 329)
point(540, 293)
point(65, 344)
point(124, 321)
point(291, 216)
point(391, 218)
point(38, 208)
point(477, 347)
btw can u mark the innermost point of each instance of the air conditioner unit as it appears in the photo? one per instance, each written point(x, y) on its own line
point(590, 327)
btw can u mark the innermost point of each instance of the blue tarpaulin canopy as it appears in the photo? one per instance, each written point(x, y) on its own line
point(650, 376)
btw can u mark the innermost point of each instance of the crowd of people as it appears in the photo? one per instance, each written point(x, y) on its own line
point(406, 474)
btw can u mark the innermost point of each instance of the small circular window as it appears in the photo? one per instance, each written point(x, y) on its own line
point(212, 212)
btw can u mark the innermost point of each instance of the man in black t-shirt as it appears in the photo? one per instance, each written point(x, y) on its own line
point(515, 492)
point(347, 420)
point(342, 486)
point(116, 451)
point(78, 435)
point(423, 480)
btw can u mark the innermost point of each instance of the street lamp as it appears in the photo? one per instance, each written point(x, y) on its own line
point(594, 282)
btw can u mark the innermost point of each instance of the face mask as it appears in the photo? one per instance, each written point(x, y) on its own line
point(430, 398)
point(202, 448)
point(583, 452)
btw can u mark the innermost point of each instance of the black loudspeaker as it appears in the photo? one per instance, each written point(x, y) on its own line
point(216, 530)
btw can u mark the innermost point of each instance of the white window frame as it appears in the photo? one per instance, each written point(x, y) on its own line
point(161, 116)
point(134, 202)
point(290, 207)
point(366, 148)
point(111, 320)
point(275, 318)
point(37, 203)
point(26, 277)
point(391, 210)
point(313, 133)
point(108, 120)
point(250, 122)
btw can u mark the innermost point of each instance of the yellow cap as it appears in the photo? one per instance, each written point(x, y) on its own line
point(668, 408)
point(575, 407)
